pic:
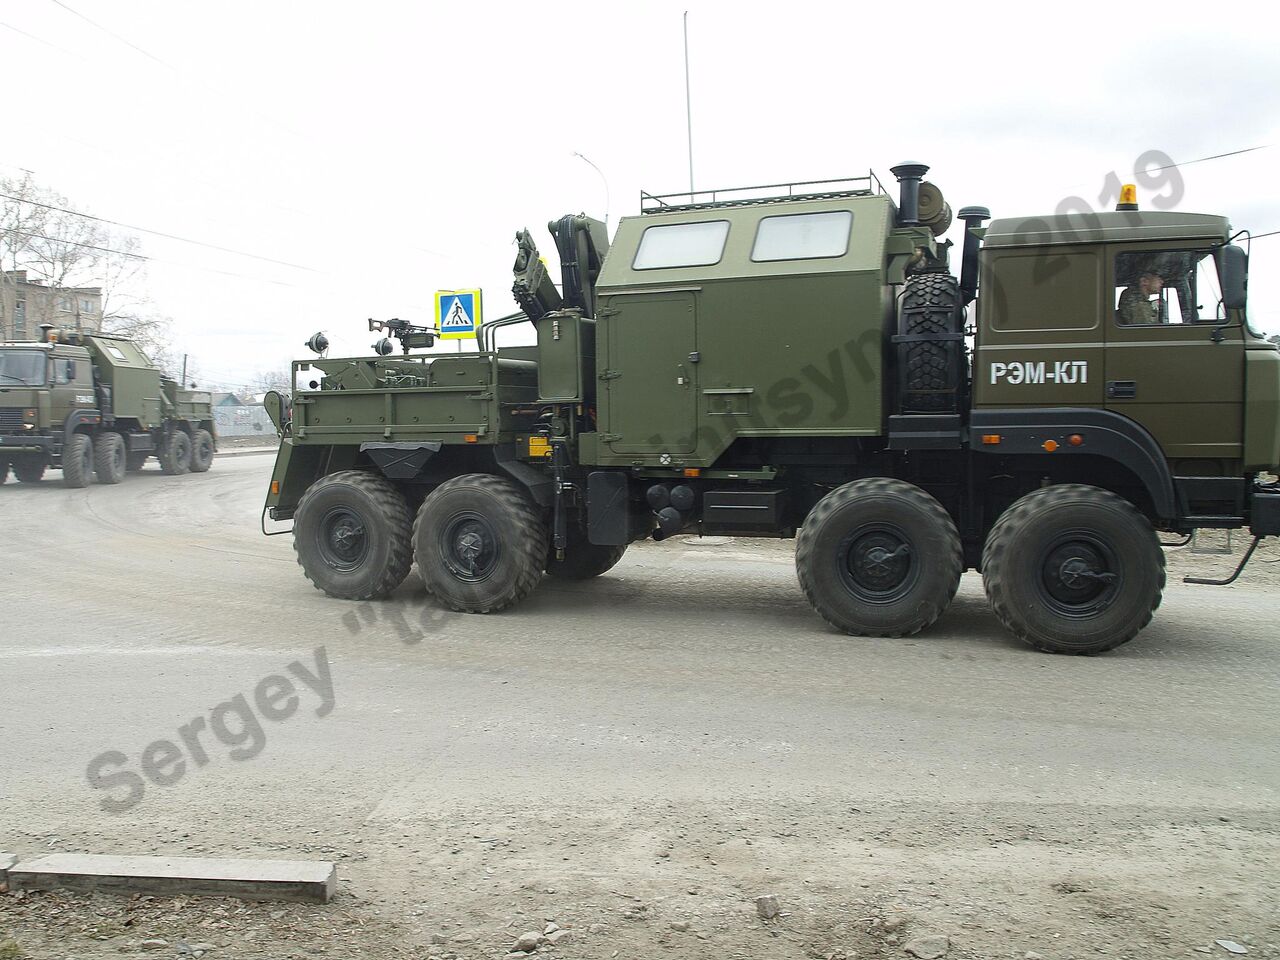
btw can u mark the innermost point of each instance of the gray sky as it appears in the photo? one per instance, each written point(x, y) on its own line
point(393, 149)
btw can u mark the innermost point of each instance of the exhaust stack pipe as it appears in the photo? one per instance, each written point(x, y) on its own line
point(973, 218)
point(909, 175)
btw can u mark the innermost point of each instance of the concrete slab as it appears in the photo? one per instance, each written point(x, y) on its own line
point(313, 881)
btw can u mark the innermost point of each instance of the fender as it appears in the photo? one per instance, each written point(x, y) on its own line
point(1104, 433)
point(541, 485)
point(80, 418)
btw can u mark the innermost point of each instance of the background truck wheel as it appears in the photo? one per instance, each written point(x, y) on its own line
point(351, 534)
point(29, 469)
point(108, 458)
point(201, 451)
point(4, 469)
point(582, 558)
point(135, 461)
point(879, 557)
point(77, 461)
point(1073, 569)
point(480, 543)
point(175, 459)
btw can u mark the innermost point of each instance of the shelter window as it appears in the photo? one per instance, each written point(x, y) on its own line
point(682, 245)
point(116, 352)
point(803, 236)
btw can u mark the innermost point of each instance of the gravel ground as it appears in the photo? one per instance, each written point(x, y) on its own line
point(635, 760)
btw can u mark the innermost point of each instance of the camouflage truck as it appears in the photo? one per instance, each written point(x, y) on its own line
point(94, 406)
point(802, 362)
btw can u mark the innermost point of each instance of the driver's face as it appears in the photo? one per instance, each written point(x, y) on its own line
point(1151, 284)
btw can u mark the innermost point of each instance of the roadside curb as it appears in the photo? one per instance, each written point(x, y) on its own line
point(246, 451)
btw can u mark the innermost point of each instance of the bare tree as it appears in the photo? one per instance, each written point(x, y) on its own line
point(279, 380)
point(63, 250)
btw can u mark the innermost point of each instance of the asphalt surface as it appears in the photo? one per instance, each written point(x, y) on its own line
point(687, 694)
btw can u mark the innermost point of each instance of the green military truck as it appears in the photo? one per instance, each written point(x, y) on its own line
point(94, 406)
point(801, 361)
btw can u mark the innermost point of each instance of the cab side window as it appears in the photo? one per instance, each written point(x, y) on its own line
point(1165, 287)
point(64, 371)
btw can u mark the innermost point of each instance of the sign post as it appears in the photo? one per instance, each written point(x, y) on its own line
point(458, 314)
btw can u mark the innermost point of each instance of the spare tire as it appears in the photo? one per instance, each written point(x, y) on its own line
point(930, 345)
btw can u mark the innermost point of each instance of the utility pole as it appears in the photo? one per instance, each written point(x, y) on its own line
point(688, 102)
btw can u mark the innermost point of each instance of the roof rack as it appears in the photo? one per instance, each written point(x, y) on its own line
point(767, 193)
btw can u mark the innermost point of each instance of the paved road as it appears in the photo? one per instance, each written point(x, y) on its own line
point(688, 698)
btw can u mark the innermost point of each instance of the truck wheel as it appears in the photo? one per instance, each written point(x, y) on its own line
point(77, 461)
point(480, 543)
point(351, 534)
point(201, 451)
point(1073, 569)
point(29, 469)
point(879, 557)
point(135, 461)
point(175, 460)
point(108, 458)
point(582, 558)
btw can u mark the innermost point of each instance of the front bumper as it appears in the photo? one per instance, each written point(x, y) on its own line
point(25, 443)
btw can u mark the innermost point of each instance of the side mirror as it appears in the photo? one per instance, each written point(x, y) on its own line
point(1233, 270)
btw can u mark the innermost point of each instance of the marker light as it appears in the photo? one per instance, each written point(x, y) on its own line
point(1050, 445)
point(1075, 439)
point(991, 438)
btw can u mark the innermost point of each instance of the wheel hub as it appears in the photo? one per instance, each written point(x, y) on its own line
point(469, 547)
point(877, 563)
point(343, 540)
point(1078, 576)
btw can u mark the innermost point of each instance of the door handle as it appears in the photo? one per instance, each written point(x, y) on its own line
point(1122, 389)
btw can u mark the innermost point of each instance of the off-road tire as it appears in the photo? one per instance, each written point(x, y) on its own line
point(480, 543)
point(857, 591)
point(1044, 532)
point(29, 469)
point(347, 509)
point(109, 458)
point(4, 469)
point(931, 307)
point(175, 458)
point(133, 462)
point(201, 451)
point(582, 558)
point(77, 461)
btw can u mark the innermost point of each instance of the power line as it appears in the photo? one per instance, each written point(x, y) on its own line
point(1187, 163)
point(139, 256)
point(109, 33)
point(159, 233)
point(32, 36)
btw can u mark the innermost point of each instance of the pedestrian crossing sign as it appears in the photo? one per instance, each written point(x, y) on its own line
point(458, 314)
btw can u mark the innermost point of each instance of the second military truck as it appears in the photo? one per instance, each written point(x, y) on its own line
point(95, 407)
point(796, 362)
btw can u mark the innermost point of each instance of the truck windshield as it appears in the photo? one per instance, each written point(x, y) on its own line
point(26, 367)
